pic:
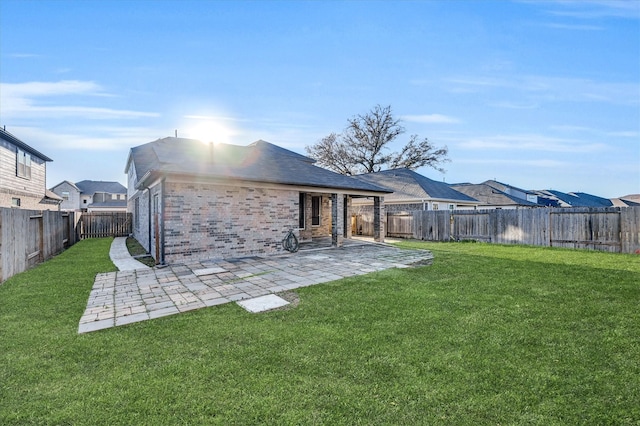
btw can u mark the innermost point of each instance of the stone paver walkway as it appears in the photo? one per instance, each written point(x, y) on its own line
point(119, 254)
point(129, 296)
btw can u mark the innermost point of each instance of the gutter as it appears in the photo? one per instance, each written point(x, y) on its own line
point(162, 206)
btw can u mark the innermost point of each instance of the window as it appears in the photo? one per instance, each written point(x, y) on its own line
point(84, 201)
point(65, 195)
point(23, 166)
point(301, 205)
point(15, 202)
point(451, 206)
point(315, 211)
point(435, 206)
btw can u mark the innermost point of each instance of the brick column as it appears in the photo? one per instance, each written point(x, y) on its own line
point(348, 224)
point(378, 219)
point(337, 220)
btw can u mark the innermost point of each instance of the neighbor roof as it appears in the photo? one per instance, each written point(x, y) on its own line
point(90, 187)
point(489, 195)
point(73, 185)
point(17, 142)
point(409, 185)
point(572, 199)
point(504, 187)
point(259, 162)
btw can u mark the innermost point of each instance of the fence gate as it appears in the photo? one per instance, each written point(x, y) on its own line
point(104, 224)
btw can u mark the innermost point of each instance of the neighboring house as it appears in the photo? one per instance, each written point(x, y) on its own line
point(491, 197)
point(70, 195)
point(23, 175)
point(413, 191)
point(92, 196)
point(631, 200)
point(514, 192)
point(192, 201)
point(553, 198)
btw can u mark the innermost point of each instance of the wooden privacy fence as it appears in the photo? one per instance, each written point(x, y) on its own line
point(614, 229)
point(28, 237)
point(104, 224)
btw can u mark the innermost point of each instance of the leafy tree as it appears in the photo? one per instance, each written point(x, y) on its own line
point(363, 146)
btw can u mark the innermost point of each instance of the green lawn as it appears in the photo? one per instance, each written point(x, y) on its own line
point(486, 335)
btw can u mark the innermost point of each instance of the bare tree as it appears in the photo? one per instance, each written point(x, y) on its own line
point(363, 146)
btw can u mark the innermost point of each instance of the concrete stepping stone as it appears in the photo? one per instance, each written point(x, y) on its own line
point(263, 303)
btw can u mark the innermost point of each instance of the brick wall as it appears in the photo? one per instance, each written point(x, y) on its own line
point(140, 218)
point(203, 221)
point(27, 201)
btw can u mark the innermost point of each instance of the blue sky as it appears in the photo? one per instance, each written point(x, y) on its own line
point(537, 94)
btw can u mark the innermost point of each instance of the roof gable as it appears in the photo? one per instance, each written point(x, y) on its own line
point(66, 182)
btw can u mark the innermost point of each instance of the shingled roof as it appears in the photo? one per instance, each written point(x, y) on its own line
point(90, 187)
point(260, 161)
point(409, 185)
point(491, 196)
point(572, 199)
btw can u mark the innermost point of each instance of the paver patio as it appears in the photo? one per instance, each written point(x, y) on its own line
point(125, 297)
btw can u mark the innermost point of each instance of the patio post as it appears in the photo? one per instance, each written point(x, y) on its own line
point(337, 219)
point(378, 219)
point(347, 217)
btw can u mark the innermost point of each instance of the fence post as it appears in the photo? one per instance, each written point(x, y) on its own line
point(41, 237)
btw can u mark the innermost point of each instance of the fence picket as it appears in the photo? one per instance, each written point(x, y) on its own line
point(28, 237)
point(615, 229)
point(105, 224)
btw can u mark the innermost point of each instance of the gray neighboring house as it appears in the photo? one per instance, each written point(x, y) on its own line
point(491, 197)
point(192, 201)
point(413, 191)
point(23, 176)
point(512, 191)
point(92, 196)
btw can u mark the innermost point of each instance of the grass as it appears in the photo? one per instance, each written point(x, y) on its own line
point(140, 253)
point(486, 335)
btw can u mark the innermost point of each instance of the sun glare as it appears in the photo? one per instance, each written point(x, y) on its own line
point(210, 130)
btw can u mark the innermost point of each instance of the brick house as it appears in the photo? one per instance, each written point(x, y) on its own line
point(192, 201)
point(23, 175)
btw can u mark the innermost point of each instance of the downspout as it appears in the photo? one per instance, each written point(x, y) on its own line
point(149, 216)
point(162, 206)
